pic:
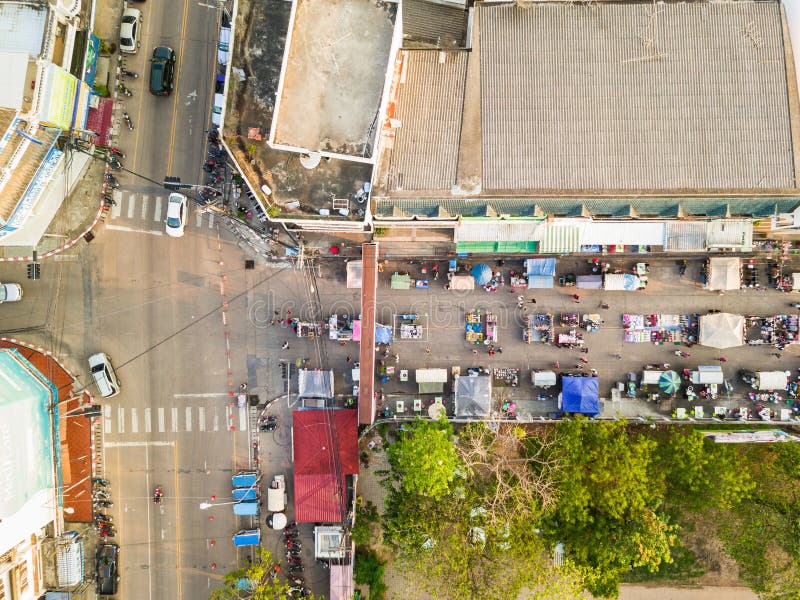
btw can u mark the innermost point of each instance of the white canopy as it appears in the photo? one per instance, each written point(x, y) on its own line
point(722, 330)
point(795, 281)
point(355, 270)
point(724, 273)
point(543, 378)
point(431, 375)
point(771, 380)
point(462, 282)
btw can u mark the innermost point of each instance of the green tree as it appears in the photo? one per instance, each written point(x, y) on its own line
point(368, 570)
point(256, 581)
point(424, 459)
point(608, 513)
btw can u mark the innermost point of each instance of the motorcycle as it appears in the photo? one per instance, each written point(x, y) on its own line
point(101, 495)
point(322, 563)
point(124, 90)
point(128, 121)
point(294, 560)
point(99, 480)
point(126, 73)
point(114, 163)
point(103, 503)
point(116, 152)
point(296, 569)
point(158, 494)
point(297, 581)
point(682, 268)
point(293, 544)
point(268, 423)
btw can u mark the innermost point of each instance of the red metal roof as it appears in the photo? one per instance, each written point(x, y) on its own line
point(325, 451)
point(369, 292)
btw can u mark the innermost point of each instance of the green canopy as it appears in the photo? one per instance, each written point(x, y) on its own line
point(401, 282)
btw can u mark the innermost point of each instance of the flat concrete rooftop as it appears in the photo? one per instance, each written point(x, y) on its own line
point(333, 75)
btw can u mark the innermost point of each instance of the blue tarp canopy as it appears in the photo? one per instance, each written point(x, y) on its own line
point(246, 509)
point(540, 282)
point(383, 334)
point(580, 395)
point(482, 273)
point(541, 267)
point(245, 479)
point(245, 494)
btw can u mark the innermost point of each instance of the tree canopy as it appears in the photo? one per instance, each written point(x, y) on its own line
point(257, 581)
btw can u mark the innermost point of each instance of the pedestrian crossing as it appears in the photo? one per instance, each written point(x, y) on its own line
point(149, 211)
point(122, 420)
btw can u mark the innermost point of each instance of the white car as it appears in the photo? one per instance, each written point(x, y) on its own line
point(10, 292)
point(176, 215)
point(129, 31)
point(104, 375)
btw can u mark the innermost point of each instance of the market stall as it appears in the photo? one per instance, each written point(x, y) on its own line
point(571, 339)
point(579, 395)
point(538, 328)
point(410, 327)
point(721, 330)
point(306, 329)
point(355, 272)
point(541, 272)
point(658, 329)
point(569, 319)
point(431, 381)
point(492, 334)
point(341, 328)
point(506, 377)
point(474, 328)
point(543, 379)
point(401, 281)
point(777, 330)
point(462, 282)
point(723, 273)
point(622, 282)
point(767, 380)
point(589, 282)
point(473, 395)
point(314, 384)
point(591, 322)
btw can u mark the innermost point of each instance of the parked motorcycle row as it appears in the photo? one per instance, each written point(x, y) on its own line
point(101, 498)
point(294, 558)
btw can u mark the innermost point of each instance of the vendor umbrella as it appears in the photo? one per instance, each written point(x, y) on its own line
point(482, 273)
point(669, 382)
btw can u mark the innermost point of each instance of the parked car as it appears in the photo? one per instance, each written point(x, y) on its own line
point(176, 215)
point(104, 375)
point(162, 71)
point(216, 110)
point(10, 292)
point(130, 31)
point(107, 569)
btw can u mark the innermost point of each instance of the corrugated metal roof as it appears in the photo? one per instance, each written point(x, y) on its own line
point(432, 23)
point(490, 230)
point(685, 236)
point(596, 207)
point(22, 27)
point(319, 498)
point(730, 233)
point(560, 239)
point(626, 233)
point(634, 96)
point(430, 104)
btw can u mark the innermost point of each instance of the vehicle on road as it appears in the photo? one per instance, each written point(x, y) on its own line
point(130, 31)
point(107, 569)
point(162, 71)
point(104, 375)
point(176, 215)
point(10, 292)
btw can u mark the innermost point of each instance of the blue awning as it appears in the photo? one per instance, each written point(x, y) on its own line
point(541, 266)
point(580, 395)
point(540, 282)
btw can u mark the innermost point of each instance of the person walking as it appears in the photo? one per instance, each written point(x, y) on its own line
point(585, 350)
point(427, 350)
point(722, 359)
point(285, 346)
point(584, 360)
point(576, 298)
point(618, 356)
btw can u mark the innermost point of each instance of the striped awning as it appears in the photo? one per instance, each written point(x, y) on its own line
point(560, 239)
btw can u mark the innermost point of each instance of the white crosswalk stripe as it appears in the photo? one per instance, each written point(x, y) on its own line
point(116, 209)
point(131, 205)
point(145, 202)
point(157, 209)
point(140, 420)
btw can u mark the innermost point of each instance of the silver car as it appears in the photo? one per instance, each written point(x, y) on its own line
point(104, 375)
point(130, 31)
point(10, 292)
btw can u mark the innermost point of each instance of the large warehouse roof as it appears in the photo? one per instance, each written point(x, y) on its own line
point(671, 99)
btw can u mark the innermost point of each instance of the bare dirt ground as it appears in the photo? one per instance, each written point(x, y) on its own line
point(642, 592)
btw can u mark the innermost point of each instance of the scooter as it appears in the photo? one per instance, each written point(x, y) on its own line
point(322, 563)
point(103, 503)
point(128, 121)
point(124, 90)
point(297, 581)
point(116, 152)
point(101, 495)
point(99, 480)
point(293, 544)
point(294, 560)
point(114, 164)
point(126, 73)
point(157, 495)
point(295, 569)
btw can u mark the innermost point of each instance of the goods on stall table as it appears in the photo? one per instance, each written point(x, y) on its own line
point(591, 322)
point(538, 328)
point(778, 330)
point(506, 377)
point(410, 332)
point(569, 319)
point(474, 330)
point(573, 339)
point(656, 328)
point(306, 329)
point(491, 328)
